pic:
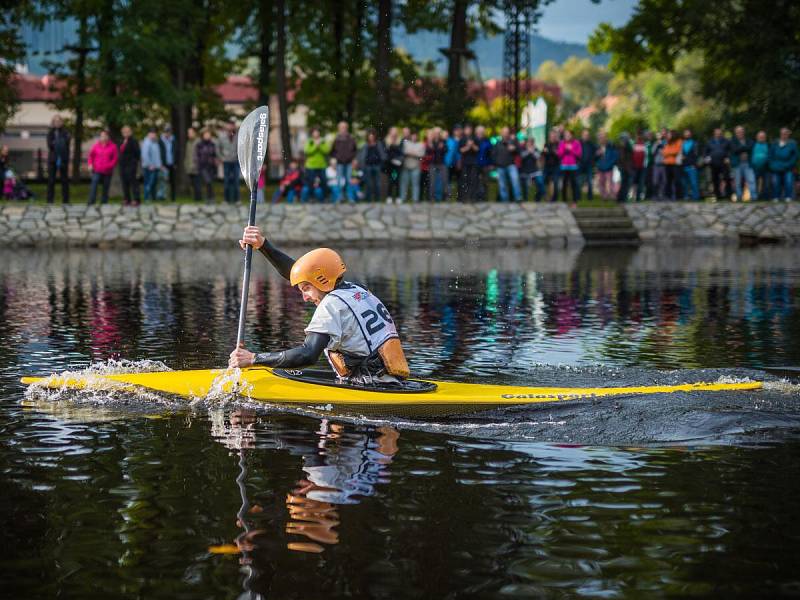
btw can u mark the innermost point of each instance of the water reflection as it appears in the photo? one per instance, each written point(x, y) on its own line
point(342, 465)
point(462, 313)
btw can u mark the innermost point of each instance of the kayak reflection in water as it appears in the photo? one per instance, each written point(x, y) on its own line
point(350, 325)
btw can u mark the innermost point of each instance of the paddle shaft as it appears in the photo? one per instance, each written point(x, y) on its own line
point(248, 259)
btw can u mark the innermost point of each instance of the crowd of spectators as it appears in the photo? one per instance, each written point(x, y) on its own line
point(662, 165)
point(438, 165)
point(155, 158)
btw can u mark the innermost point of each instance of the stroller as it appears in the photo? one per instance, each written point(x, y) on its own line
point(14, 188)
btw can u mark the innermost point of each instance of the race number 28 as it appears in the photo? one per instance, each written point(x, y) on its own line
point(375, 321)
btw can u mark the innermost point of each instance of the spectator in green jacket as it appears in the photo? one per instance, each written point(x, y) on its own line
point(316, 151)
point(782, 162)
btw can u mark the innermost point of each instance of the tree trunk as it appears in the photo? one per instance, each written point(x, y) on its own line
point(106, 30)
point(280, 80)
point(180, 119)
point(265, 55)
point(338, 43)
point(105, 37)
point(80, 92)
point(356, 57)
point(382, 65)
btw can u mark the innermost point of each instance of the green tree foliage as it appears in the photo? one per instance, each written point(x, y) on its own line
point(11, 51)
point(581, 81)
point(142, 63)
point(629, 122)
point(660, 99)
point(750, 52)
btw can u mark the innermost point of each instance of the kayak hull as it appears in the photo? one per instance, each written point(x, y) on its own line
point(262, 384)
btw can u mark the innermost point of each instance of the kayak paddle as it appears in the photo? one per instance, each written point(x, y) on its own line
point(252, 148)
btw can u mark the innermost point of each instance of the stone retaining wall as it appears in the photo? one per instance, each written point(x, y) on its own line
point(720, 223)
point(542, 225)
point(547, 225)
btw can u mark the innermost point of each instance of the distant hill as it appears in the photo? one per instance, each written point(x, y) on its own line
point(425, 46)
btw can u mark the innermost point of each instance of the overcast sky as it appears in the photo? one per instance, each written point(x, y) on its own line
point(575, 20)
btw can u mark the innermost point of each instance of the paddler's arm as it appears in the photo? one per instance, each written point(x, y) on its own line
point(282, 263)
point(301, 356)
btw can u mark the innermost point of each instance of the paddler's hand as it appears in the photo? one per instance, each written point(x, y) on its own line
point(252, 237)
point(241, 357)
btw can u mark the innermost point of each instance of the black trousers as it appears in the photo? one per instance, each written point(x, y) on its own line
point(194, 179)
point(392, 182)
point(62, 177)
point(130, 186)
point(171, 176)
point(624, 185)
point(470, 182)
point(673, 182)
point(570, 180)
point(719, 177)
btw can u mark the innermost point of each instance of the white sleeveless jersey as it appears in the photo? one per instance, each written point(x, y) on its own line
point(356, 320)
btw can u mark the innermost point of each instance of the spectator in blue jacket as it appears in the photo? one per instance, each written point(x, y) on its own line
point(741, 149)
point(760, 161)
point(151, 164)
point(782, 161)
point(452, 155)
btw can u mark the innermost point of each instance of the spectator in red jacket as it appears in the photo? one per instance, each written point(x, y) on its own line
point(103, 158)
point(290, 185)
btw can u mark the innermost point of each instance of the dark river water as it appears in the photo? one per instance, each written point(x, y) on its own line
point(690, 495)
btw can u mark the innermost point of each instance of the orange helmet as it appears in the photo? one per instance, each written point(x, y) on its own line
point(321, 268)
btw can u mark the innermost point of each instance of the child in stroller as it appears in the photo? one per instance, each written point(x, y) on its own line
point(13, 188)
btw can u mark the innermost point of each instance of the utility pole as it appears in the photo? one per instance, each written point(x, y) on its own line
point(516, 57)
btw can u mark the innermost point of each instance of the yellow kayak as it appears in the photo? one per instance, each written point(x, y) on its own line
point(319, 389)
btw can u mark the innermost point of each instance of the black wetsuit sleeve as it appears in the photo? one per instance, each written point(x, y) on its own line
point(302, 356)
point(281, 262)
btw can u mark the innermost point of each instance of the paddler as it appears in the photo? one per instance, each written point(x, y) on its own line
point(350, 325)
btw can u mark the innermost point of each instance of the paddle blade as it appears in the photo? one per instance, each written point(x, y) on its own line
point(252, 143)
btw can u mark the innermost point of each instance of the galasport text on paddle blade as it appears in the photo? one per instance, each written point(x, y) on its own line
point(252, 144)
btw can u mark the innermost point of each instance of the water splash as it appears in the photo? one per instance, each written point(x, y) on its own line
point(122, 366)
point(97, 388)
point(228, 386)
point(783, 386)
point(727, 379)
